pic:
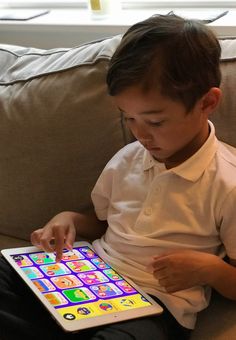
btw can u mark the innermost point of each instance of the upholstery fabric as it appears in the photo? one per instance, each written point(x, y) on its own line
point(58, 129)
point(224, 118)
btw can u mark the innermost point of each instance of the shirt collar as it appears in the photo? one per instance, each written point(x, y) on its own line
point(192, 168)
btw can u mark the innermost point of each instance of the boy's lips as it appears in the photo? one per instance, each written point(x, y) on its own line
point(152, 148)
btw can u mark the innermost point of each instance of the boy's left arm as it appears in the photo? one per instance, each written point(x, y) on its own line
point(225, 281)
point(183, 269)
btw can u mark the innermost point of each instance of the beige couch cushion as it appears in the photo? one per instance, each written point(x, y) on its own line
point(225, 116)
point(58, 129)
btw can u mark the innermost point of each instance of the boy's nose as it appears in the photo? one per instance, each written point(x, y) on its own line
point(142, 135)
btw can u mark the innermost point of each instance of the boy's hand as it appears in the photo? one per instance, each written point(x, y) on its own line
point(61, 230)
point(183, 269)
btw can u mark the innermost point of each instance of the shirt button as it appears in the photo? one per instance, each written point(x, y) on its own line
point(148, 211)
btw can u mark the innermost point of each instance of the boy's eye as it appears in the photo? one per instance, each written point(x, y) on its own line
point(156, 123)
point(128, 119)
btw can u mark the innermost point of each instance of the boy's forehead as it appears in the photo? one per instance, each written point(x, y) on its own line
point(136, 94)
point(133, 100)
point(140, 92)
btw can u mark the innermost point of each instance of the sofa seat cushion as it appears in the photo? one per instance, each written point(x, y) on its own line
point(12, 242)
point(218, 321)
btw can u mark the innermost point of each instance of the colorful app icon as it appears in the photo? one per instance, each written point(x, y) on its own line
point(88, 252)
point(105, 306)
point(22, 260)
point(92, 278)
point(80, 266)
point(32, 272)
point(127, 302)
point(56, 299)
point(83, 311)
point(69, 316)
point(125, 286)
point(44, 285)
point(55, 269)
point(100, 263)
point(112, 274)
point(67, 281)
point(42, 258)
point(72, 255)
point(106, 290)
point(130, 302)
point(79, 294)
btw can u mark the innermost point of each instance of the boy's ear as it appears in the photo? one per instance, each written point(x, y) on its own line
point(210, 100)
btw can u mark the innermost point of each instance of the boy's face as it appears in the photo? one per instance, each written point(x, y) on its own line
point(162, 125)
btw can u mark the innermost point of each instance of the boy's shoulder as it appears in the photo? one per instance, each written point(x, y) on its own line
point(226, 165)
point(131, 152)
point(227, 154)
point(126, 159)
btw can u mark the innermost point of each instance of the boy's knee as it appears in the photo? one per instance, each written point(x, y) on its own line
point(138, 329)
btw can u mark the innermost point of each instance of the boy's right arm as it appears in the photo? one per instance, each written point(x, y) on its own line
point(61, 230)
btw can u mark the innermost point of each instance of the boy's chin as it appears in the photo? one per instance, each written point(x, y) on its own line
point(158, 158)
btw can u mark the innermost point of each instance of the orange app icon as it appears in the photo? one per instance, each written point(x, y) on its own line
point(72, 255)
point(56, 299)
point(66, 281)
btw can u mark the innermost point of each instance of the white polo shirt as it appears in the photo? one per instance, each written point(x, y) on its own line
point(151, 210)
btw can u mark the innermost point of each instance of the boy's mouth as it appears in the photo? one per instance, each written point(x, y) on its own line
point(152, 148)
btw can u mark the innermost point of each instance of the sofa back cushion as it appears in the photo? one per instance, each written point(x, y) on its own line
point(59, 128)
point(224, 118)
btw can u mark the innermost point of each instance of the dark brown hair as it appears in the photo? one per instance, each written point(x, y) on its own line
point(177, 56)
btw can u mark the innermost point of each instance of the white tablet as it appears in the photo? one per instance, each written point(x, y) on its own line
point(81, 291)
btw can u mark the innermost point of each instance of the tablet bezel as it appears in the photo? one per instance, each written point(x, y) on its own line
point(77, 325)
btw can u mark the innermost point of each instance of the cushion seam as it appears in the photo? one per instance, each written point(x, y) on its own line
point(88, 63)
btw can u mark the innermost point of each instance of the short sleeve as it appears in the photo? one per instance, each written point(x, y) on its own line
point(101, 193)
point(107, 191)
point(228, 225)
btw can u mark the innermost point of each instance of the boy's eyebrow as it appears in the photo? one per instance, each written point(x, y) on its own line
point(148, 112)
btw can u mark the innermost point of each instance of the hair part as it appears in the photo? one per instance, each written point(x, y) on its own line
point(179, 57)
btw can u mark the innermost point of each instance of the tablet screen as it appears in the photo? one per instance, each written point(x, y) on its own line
point(82, 286)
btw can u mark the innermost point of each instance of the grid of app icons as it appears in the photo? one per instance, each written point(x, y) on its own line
point(82, 285)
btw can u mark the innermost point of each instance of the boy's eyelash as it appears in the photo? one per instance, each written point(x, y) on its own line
point(156, 123)
point(128, 119)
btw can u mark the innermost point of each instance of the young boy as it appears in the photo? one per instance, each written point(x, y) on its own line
point(164, 205)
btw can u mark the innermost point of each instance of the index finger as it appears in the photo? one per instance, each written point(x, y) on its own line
point(59, 244)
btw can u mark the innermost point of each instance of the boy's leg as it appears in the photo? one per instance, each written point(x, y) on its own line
point(138, 329)
point(21, 314)
point(159, 327)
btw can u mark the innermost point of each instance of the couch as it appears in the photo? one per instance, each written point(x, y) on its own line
point(58, 128)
